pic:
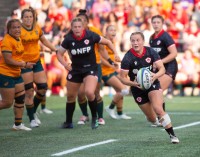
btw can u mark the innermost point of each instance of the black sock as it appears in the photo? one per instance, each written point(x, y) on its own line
point(83, 107)
point(170, 131)
point(100, 108)
point(43, 103)
point(30, 111)
point(36, 101)
point(93, 107)
point(112, 105)
point(70, 107)
point(18, 121)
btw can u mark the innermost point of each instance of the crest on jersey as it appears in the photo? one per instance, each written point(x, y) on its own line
point(139, 99)
point(148, 60)
point(69, 76)
point(158, 42)
point(86, 41)
point(73, 43)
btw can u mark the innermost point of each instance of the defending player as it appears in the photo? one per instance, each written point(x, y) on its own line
point(11, 84)
point(80, 44)
point(31, 35)
point(164, 45)
point(150, 101)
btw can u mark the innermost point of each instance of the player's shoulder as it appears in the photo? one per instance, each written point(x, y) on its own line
point(95, 30)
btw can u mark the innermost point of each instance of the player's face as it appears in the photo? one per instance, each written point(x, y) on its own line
point(15, 29)
point(157, 24)
point(77, 28)
point(137, 43)
point(27, 19)
point(111, 32)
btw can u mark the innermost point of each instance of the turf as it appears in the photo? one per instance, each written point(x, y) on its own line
point(134, 138)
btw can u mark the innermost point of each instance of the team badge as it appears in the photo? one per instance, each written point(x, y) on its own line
point(139, 99)
point(73, 43)
point(69, 76)
point(86, 41)
point(148, 60)
point(158, 42)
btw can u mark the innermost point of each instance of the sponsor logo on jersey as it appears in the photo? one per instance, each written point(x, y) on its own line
point(91, 72)
point(81, 50)
point(86, 41)
point(139, 99)
point(73, 43)
point(158, 42)
point(157, 49)
point(154, 86)
point(148, 60)
point(135, 62)
point(135, 71)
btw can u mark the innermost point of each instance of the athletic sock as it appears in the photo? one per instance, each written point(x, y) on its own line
point(100, 108)
point(70, 107)
point(30, 111)
point(170, 131)
point(18, 121)
point(83, 107)
point(93, 107)
point(112, 105)
point(43, 103)
point(163, 106)
point(37, 99)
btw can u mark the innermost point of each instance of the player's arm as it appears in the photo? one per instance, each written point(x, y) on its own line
point(47, 43)
point(172, 54)
point(60, 55)
point(125, 80)
point(108, 43)
point(161, 70)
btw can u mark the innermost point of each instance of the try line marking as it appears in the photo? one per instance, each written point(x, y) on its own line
point(83, 147)
point(186, 125)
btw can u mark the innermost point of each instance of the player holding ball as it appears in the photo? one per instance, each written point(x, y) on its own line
point(150, 100)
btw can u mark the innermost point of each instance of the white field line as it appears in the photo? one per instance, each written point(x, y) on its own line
point(186, 125)
point(170, 113)
point(83, 147)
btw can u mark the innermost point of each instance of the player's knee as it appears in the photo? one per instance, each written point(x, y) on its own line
point(90, 95)
point(40, 95)
point(20, 99)
point(41, 86)
point(28, 86)
point(165, 120)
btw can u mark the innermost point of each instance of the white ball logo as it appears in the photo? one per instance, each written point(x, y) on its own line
point(73, 52)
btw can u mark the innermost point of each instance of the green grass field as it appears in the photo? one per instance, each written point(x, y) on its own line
point(120, 138)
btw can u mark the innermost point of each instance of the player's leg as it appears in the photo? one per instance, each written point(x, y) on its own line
point(90, 83)
point(43, 107)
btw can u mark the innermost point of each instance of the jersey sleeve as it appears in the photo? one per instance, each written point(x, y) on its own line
point(168, 40)
point(65, 43)
point(6, 46)
point(96, 37)
point(125, 64)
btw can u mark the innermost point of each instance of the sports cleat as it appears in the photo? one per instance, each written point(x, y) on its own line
point(123, 116)
point(156, 123)
point(48, 93)
point(37, 119)
point(101, 121)
point(174, 139)
point(94, 123)
point(33, 124)
point(111, 112)
point(83, 120)
point(20, 127)
point(47, 111)
point(67, 125)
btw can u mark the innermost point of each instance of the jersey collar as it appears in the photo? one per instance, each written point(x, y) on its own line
point(158, 35)
point(81, 37)
point(137, 54)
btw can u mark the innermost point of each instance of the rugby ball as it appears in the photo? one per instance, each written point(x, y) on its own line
point(144, 78)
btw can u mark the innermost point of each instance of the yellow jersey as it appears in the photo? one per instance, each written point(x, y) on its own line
point(15, 47)
point(96, 47)
point(30, 41)
point(105, 69)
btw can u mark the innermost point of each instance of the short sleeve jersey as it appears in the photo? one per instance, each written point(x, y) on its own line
point(133, 62)
point(106, 70)
point(96, 48)
point(15, 47)
point(30, 40)
point(161, 42)
point(82, 50)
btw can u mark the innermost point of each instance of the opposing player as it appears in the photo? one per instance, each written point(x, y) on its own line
point(11, 84)
point(164, 45)
point(150, 101)
point(79, 43)
point(31, 35)
point(109, 76)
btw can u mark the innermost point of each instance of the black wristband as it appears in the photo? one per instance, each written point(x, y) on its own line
point(110, 61)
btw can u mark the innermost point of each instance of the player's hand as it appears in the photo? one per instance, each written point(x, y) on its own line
point(68, 66)
point(136, 84)
point(29, 65)
point(117, 58)
point(153, 77)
